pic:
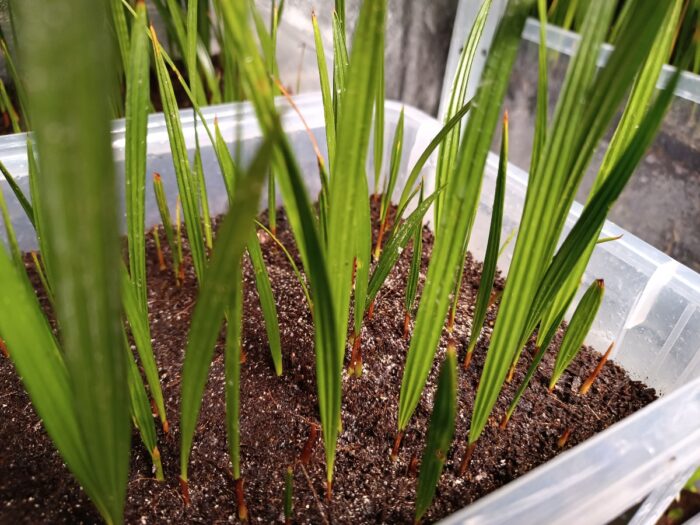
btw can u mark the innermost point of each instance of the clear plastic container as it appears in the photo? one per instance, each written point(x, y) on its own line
point(651, 309)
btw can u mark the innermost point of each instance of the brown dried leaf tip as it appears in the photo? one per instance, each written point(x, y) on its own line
point(585, 387)
point(564, 438)
point(305, 456)
point(504, 421)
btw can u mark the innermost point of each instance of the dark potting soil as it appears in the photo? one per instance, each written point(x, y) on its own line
point(277, 414)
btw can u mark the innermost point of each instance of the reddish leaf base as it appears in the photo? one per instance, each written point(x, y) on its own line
point(185, 489)
point(397, 446)
point(585, 387)
point(240, 500)
point(305, 456)
point(564, 438)
point(464, 466)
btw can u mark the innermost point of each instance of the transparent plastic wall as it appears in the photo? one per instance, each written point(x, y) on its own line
point(651, 308)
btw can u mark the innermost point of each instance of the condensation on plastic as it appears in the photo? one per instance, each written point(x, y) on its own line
point(651, 309)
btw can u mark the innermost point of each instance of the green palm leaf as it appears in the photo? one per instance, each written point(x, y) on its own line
point(70, 117)
point(457, 215)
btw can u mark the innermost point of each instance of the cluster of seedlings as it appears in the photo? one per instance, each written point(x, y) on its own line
point(100, 301)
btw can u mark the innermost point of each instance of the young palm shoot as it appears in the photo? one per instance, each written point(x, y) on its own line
point(166, 220)
point(459, 209)
point(588, 383)
point(440, 434)
point(488, 271)
point(234, 341)
point(396, 151)
point(267, 301)
point(141, 412)
point(637, 104)
point(363, 227)
point(255, 83)
point(186, 181)
point(578, 328)
point(583, 120)
point(83, 249)
point(379, 122)
point(137, 101)
point(536, 360)
point(447, 156)
point(413, 273)
point(214, 300)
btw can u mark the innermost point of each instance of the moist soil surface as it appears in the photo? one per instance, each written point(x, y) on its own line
point(277, 414)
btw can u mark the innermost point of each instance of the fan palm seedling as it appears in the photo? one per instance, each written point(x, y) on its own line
point(522, 301)
point(83, 251)
point(488, 271)
point(578, 328)
point(440, 433)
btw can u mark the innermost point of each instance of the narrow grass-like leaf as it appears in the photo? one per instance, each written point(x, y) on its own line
point(395, 164)
point(488, 271)
point(70, 118)
point(140, 330)
point(121, 31)
point(40, 219)
point(141, 412)
point(303, 223)
point(578, 125)
point(267, 302)
point(346, 183)
point(379, 119)
point(328, 113)
point(9, 108)
point(341, 63)
point(203, 196)
point(17, 81)
point(137, 101)
point(396, 244)
point(447, 157)
point(166, 220)
point(542, 83)
point(539, 355)
point(42, 277)
point(232, 357)
point(297, 272)
point(577, 330)
point(440, 434)
point(186, 182)
point(414, 271)
point(39, 363)
point(410, 184)
point(214, 297)
point(639, 100)
point(363, 261)
point(593, 216)
point(460, 206)
point(10, 233)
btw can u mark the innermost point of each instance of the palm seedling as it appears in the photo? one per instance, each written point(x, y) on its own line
point(334, 241)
